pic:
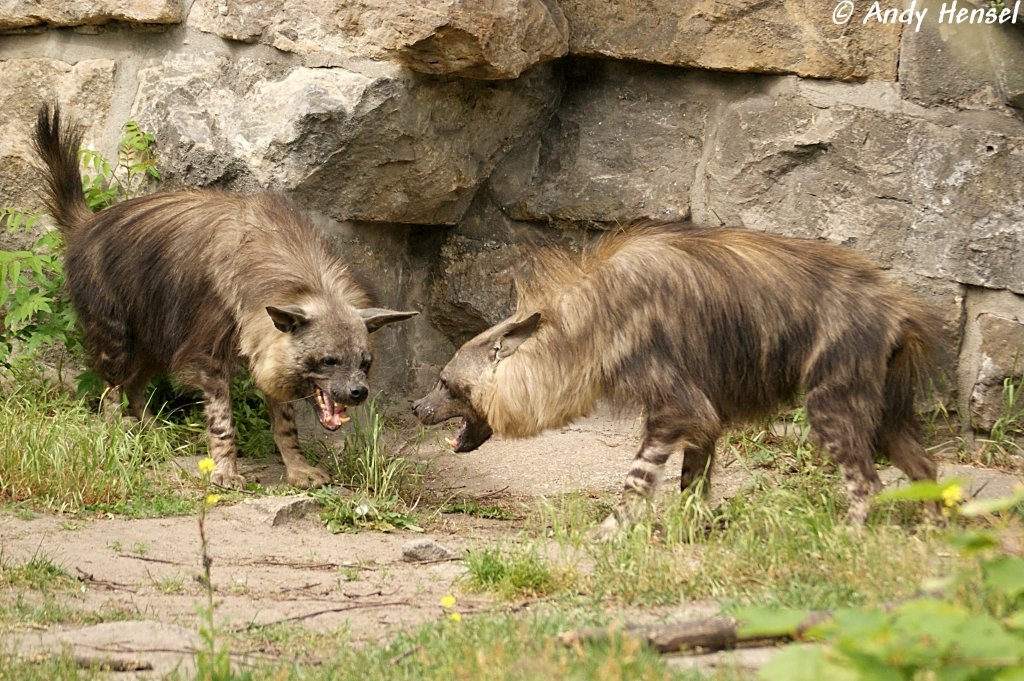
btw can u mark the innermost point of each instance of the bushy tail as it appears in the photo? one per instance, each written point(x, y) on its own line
point(912, 366)
point(57, 144)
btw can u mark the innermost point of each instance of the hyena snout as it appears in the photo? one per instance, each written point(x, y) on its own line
point(351, 393)
point(332, 398)
point(434, 408)
point(421, 410)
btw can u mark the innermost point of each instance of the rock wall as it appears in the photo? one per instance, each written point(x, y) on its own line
point(434, 140)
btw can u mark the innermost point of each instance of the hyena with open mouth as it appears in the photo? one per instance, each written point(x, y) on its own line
point(193, 282)
point(702, 328)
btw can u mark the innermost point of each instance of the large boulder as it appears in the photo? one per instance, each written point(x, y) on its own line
point(624, 144)
point(487, 40)
point(455, 37)
point(371, 142)
point(25, 13)
point(1000, 371)
point(849, 163)
point(84, 89)
point(967, 66)
point(852, 165)
point(792, 36)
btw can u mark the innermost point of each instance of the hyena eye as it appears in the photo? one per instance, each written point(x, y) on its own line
point(364, 366)
point(330, 362)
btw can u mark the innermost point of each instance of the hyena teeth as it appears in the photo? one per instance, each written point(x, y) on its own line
point(332, 414)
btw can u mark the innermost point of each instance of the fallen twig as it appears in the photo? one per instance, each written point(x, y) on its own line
point(89, 578)
point(274, 562)
point(103, 662)
point(113, 664)
point(317, 613)
point(718, 633)
point(147, 559)
point(492, 493)
point(398, 658)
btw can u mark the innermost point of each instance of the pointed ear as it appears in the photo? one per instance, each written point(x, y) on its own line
point(512, 337)
point(287, 318)
point(376, 317)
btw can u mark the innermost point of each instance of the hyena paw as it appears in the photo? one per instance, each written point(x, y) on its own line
point(609, 529)
point(147, 419)
point(227, 477)
point(307, 477)
point(857, 515)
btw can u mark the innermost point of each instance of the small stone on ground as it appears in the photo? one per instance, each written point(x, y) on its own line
point(421, 550)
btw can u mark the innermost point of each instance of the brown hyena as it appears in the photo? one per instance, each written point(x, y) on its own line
point(702, 328)
point(192, 282)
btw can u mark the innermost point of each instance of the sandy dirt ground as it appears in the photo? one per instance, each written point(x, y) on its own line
point(275, 563)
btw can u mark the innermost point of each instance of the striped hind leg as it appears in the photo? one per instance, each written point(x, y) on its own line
point(845, 415)
point(220, 426)
point(900, 441)
point(667, 430)
point(695, 471)
point(118, 364)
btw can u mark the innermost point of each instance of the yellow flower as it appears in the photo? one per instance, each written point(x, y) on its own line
point(952, 495)
point(455, 616)
point(448, 601)
point(206, 466)
point(212, 499)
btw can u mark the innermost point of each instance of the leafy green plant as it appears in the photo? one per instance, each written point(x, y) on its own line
point(36, 311)
point(38, 572)
point(513, 571)
point(104, 185)
point(969, 627)
point(55, 454)
point(472, 507)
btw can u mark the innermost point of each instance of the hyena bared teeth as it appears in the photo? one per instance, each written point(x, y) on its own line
point(332, 415)
point(702, 328)
point(194, 282)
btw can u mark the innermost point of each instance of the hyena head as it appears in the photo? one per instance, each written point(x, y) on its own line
point(464, 380)
point(322, 354)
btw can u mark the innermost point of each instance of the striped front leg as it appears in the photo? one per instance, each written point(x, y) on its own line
point(666, 431)
point(641, 483)
point(298, 472)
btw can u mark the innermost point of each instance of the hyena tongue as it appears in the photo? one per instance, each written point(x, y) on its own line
point(453, 442)
point(332, 415)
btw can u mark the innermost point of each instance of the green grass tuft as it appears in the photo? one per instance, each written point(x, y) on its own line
point(38, 573)
point(58, 455)
point(383, 488)
point(514, 571)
